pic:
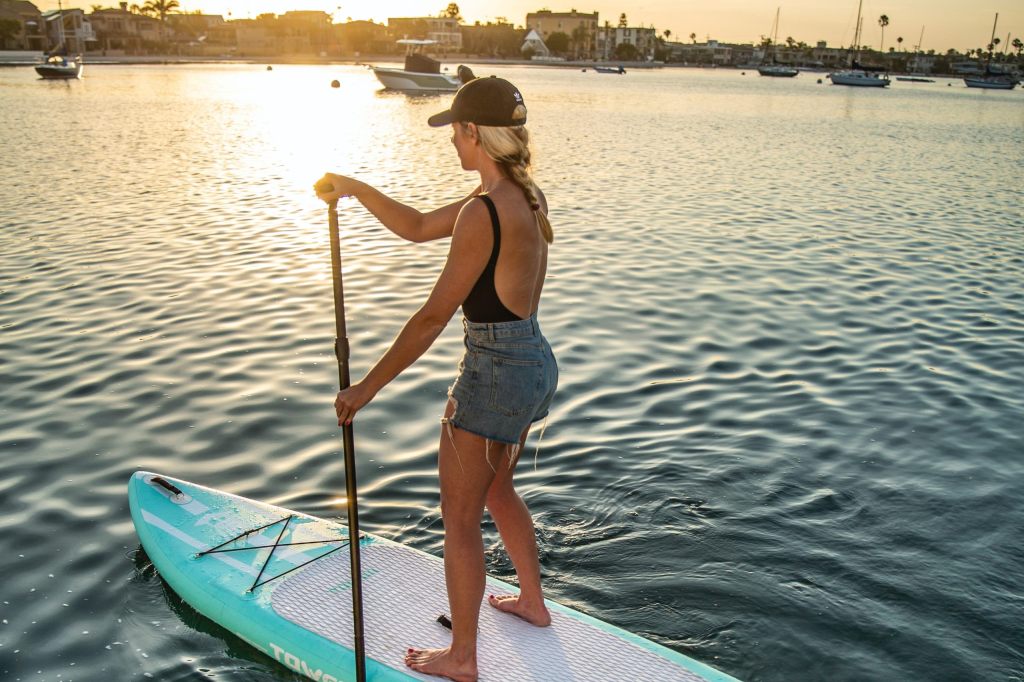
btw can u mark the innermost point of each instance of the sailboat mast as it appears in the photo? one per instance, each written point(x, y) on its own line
point(856, 34)
point(991, 42)
point(775, 35)
point(920, 39)
point(60, 27)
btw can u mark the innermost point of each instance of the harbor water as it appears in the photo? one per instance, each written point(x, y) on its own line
point(789, 316)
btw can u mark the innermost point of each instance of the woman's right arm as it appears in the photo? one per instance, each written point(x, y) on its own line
point(405, 221)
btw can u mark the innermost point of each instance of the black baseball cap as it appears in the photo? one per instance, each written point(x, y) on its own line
point(485, 101)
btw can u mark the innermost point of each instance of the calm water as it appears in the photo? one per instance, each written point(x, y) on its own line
point(789, 317)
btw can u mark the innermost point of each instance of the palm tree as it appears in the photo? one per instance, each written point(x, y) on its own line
point(452, 12)
point(161, 8)
point(899, 41)
point(883, 21)
point(667, 33)
point(693, 38)
point(1018, 45)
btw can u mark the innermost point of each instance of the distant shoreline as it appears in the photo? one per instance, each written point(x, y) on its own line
point(10, 58)
point(21, 58)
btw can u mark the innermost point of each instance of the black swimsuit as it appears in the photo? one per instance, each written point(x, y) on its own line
point(483, 304)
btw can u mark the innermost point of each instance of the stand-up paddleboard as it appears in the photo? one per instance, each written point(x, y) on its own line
point(280, 581)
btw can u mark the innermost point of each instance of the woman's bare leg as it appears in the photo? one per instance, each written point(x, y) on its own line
point(515, 524)
point(466, 476)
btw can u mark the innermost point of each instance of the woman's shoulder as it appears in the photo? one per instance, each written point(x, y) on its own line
point(474, 217)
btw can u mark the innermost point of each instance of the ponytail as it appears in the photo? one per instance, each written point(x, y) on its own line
point(510, 148)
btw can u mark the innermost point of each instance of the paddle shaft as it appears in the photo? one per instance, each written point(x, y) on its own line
point(341, 351)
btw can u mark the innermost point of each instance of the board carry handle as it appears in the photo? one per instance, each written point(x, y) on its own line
point(166, 485)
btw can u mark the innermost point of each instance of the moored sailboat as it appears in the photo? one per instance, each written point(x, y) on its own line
point(775, 69)
point(992, 78)
point(57, 64)
point(860, 75)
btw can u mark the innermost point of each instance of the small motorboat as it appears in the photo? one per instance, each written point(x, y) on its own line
point(859, 78)
point(60, 67)
point(610, 69)
point(777, 71)
point(421, 73)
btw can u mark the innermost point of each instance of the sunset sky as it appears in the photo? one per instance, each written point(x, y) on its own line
point(947, 23)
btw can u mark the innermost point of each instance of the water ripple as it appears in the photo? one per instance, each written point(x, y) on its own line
point(787, 316)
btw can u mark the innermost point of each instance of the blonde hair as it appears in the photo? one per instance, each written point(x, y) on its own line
point(510, 148)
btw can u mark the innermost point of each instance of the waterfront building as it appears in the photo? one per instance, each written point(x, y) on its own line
point(253, 37)
point(497, 40)
point(30, 34)
point(967, 68)
point(303, 32)
point(533, 43)
point(710, 53)
point(120, 32)
point(445, 31)
point(645, 40)
point(206, 35)
point(920, 62)
point(829, 57)
point(73, 26)
point(581, 27)
point(196, 24)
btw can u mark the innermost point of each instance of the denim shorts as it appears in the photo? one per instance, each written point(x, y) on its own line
point(506, 380)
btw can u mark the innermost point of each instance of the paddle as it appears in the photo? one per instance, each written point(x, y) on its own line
point(341, 351)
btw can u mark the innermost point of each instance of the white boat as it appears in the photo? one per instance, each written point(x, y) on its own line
point(992, 78)
point(995, 81)
point(59, 67)
point(776, 70)
point(421, 73)
point(610, 69)
point(859, 75)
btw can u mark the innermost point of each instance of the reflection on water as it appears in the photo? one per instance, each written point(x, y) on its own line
point(787, 317)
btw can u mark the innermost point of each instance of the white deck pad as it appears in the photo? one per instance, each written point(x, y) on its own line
point(404, 593)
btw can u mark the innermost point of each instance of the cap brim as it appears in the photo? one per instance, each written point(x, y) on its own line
point(442, 119)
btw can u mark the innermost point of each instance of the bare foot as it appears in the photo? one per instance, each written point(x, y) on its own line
point(535, 613)
point(441, 662)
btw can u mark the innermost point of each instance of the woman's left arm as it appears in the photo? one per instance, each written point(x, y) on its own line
point(470, 249)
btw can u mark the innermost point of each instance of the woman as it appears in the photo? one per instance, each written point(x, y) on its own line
point(495, 270)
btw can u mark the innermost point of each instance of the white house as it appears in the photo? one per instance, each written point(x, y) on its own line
point(534, 42)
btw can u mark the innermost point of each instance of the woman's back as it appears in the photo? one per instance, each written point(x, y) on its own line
point(523, 256)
